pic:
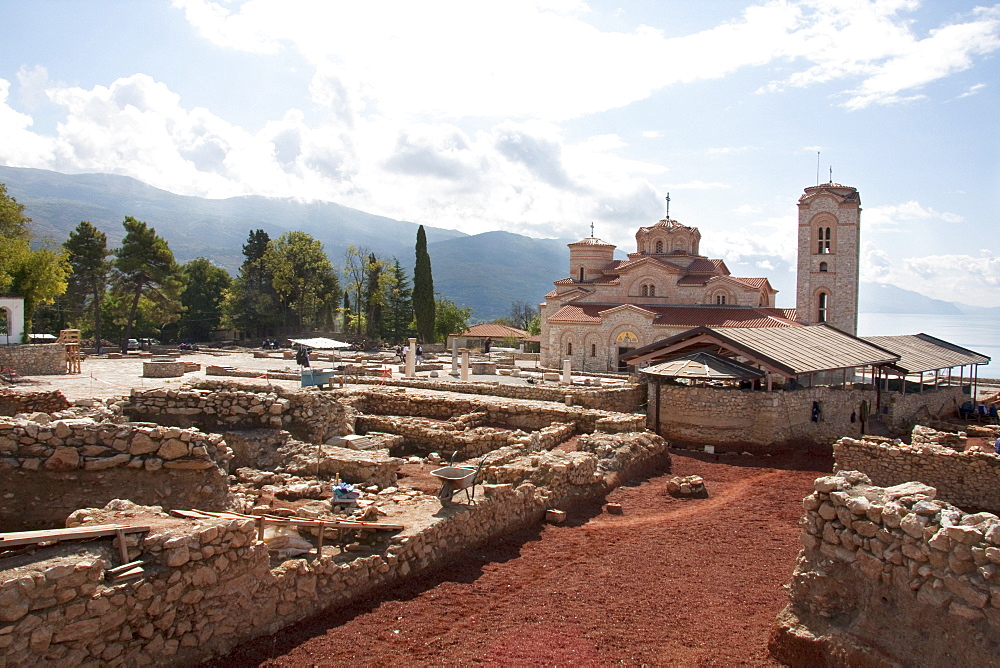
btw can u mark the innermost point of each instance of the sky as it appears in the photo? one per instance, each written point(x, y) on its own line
point(542, 117)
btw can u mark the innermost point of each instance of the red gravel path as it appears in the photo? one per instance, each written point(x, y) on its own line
point(693, 582)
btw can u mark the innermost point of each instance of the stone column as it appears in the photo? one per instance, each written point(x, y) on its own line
point(567, 373)
point(454, 356)
point(411, 358)
point(465, 363)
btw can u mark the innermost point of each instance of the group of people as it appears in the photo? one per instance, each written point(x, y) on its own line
point(403, 351)
point(270, 344)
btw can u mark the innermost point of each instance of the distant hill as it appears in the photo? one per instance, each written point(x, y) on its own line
point(883, 298)
point(486, 271)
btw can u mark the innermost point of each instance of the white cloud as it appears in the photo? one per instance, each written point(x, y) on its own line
point(652, 134)
point(746, 209)
point(956, 277)
point(889, 216)
point(698, 184)
point(973, 90)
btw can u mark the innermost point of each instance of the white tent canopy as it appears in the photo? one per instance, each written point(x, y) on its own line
point(321, 343)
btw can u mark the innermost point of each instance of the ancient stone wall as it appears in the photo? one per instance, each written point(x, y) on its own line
point(310, 415)
point(891, 576)
point(618, 399)
point(12, 403)
point(732, 419)
point(210, 585)
point(970, 479)
point(35, 359)
point(50, 470)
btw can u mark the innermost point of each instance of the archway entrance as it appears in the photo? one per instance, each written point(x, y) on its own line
point(625, 341)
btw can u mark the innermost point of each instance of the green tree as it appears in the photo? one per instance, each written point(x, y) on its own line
point(423, 290)
point(87, 250)
point(303, 277)
point(144, 268)
point(251, 303)
point(521, 314)
point(397, 316)
point(39, 276)
point(204, 288)
point(450, 318)
point(534, 327)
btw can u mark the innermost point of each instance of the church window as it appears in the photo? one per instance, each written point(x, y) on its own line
point(652, 290)
point(823, 266)
point(824, 241)
point(659, 246)
point(593, 350)
point(824, 301)
point(720, 299)
point(581, 274)
point(645, 291)
point(569, 348)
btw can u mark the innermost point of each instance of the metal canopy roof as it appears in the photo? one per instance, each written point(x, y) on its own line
point(790, 351)
point(321, 342)
point(922, 352)
point(703, 366)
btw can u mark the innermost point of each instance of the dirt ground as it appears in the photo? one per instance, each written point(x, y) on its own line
point(680, 582)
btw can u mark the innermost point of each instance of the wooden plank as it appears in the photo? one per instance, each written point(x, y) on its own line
point(122, 547)
point(124, 567)
point(129, 574)
point(76, 533)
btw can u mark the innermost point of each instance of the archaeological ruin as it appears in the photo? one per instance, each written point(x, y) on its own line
point(168, 525)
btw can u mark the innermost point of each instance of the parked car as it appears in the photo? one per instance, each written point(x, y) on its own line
point(133, 344)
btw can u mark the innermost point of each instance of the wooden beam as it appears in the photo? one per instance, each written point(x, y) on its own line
point(75, 533)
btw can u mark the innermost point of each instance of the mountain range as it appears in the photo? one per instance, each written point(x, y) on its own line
point(486, 271)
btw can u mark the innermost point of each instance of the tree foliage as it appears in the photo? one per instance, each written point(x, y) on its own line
point(397, 316)
point(450, 318)
point(39, 276)
point(423, 290)
point(87, 252)
point(251, 303)
point(144, 268)
point(204, 288)
point(303, 278)
point(521, 314)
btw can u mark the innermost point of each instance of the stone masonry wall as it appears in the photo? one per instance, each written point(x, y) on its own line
point(737, 419)
point(49, 470)
point(12, 403)
point(619, 399)
point(210, 585)
point(35, 359)
point(891, 576)
point(310, 415)
point(970, 479)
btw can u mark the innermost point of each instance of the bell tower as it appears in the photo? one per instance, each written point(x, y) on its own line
point(829, 256)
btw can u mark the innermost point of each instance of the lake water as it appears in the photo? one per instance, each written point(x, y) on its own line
point(980, 333)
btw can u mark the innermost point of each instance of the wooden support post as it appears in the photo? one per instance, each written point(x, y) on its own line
point(319, 542)
point(122, 547)
point(260, 529)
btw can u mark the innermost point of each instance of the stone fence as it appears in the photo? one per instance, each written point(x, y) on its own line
point(210, 585)
point(970, 479)
point(891, 576)
point(734, 419)
point(12, 403)
point(34, 359)
point(619, 399)
point(309, 415)
point(58, 467)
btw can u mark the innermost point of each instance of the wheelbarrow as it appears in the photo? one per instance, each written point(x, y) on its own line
point(454, 478)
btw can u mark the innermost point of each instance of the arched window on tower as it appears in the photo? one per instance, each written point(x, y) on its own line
point(593, 350)
point(581, 274)
point(823, 267)
point(659, 246)
point(824, 241)
point(823, 307)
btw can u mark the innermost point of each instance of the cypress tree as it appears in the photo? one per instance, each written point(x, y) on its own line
point(423, 290)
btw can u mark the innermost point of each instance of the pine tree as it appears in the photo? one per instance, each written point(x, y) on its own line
point(87, 248)
point(398, 314)
point(423, 290)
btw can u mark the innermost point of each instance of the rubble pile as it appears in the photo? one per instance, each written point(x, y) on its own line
point(688, 486)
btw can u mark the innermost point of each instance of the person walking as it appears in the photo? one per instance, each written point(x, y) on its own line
point(420, 354)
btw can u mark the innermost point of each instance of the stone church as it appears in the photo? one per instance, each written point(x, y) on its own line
point(607, 307)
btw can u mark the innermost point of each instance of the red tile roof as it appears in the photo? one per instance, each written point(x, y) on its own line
point(493, 330)
point(687, 316)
